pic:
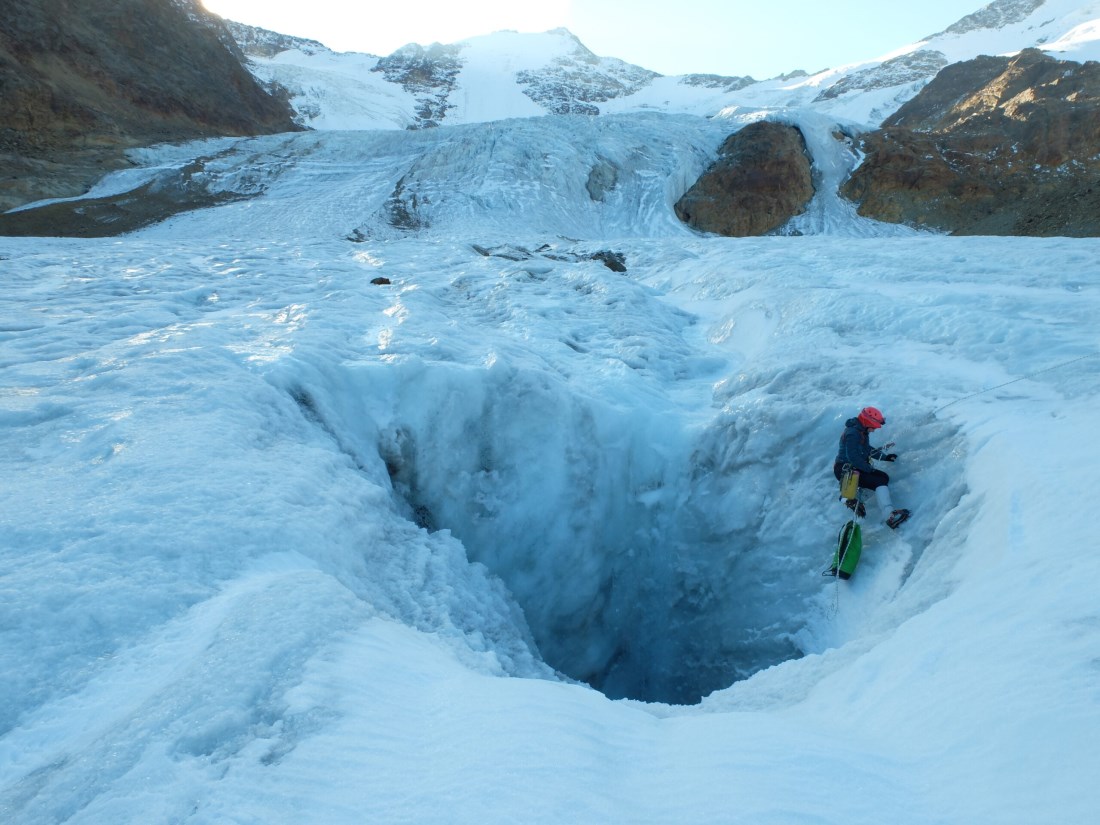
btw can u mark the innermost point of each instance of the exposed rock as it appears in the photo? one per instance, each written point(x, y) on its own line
point(913, 67)
point(257, 42)
point(510, 252)
point(797, 73)
point(761, 180)
point(166, 195)
point(994, 16)
point(427, 73)
point(402, 208)
point(602, 178)
point(615, 261)
point(573, 84)
point(1001, 146)
point(717, 81)
point(84, 81)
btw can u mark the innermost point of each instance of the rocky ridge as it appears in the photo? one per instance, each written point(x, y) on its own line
point(256, 42)
point(914, 67)
point(574, 83)
point(717, 81)
point(429, 74)
point(994, 16)
point(82, 82)
point(995, 145)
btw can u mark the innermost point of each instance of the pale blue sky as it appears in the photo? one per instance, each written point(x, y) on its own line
point(731, 37)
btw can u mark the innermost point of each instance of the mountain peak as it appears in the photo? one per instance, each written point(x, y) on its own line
point(996, 15)
point(564, 32)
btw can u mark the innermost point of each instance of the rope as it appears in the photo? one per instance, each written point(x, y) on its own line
point(1013, 381)
point(836, 595)
point(836, 590)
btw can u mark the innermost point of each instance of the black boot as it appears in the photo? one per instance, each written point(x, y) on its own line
point(897, 518)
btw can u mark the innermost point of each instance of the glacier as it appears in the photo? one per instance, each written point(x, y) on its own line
point(380, 496)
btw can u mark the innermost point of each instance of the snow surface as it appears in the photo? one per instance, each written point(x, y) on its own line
point(284, 545)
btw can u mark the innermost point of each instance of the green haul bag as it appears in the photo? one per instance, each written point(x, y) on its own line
point(849, 544)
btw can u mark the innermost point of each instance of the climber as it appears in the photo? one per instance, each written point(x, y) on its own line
point(857, 454)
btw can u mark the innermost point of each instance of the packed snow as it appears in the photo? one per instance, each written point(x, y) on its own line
point(517, 537)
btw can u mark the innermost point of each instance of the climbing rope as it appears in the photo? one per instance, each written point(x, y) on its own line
point(836, 599)
point(1013, 381)
point(855, 515)
point(831, 614)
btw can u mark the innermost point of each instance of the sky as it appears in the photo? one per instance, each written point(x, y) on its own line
point(708, 36)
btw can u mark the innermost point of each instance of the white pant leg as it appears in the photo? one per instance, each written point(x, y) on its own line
point(882, 494)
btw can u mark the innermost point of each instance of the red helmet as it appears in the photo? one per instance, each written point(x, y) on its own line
point(871, 418)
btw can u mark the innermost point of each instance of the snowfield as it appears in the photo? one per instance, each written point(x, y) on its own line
point(281, 544)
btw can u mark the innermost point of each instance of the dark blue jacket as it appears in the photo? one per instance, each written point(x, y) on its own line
point(855, 447)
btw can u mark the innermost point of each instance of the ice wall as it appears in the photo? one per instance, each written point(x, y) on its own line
point(652, 485)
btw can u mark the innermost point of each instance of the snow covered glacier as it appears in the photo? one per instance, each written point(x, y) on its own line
point(324, 504)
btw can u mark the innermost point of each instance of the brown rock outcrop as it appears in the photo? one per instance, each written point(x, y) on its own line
point(762, 179)
point(82, 81)
point(997, 146)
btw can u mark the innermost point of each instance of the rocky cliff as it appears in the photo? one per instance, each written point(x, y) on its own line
point(83, 81)
point(257, 42)
point(1002, 146)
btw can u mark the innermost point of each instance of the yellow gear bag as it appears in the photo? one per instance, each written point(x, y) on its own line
point(849, 484)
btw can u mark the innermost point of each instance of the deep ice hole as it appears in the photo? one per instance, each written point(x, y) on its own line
point(654, 558)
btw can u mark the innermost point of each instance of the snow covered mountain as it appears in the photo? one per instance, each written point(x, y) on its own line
point(518, 75)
